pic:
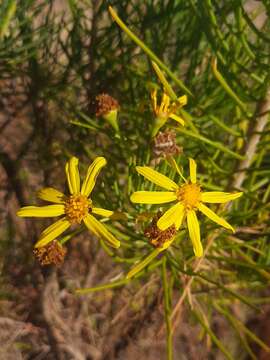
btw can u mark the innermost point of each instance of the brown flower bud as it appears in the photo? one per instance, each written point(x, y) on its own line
point(165, 145)
point(156, 236)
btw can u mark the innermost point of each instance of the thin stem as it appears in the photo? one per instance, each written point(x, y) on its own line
point(167, 310)
point(148, 51)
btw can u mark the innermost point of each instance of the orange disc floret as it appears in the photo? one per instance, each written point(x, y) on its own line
point(189, 195)
point(77, 207)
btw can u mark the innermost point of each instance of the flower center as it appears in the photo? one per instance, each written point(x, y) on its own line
point(77, 207)
point(189, 195)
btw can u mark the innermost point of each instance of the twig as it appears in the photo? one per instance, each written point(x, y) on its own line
point(11, 168)
point(254, 134)
point(167, 310)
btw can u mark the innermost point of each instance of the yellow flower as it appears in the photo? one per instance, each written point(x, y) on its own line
point(74, 208)
point(189, 197)
point(166, 110)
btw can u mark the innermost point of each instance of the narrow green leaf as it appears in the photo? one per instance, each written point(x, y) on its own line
point(226, 87)
point(102, 287)
point(137, 268)
point(213, 336)
point(214, 144)
point(247, 331)
point(164, 82)
point(234, 323)
point(7, 16)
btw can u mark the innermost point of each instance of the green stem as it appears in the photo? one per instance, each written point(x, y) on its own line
point(102, 287)
point(167, 310)
point(141, 265)
point(7, 16)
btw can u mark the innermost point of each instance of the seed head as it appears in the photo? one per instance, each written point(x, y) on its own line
point(53, 253)
point(104, 104)
point(165, 145)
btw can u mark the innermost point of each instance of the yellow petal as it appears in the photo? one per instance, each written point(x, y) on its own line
point(41, 211)
point(219, 197)
point(179, 219)
point(52, 232)
point(213, 216)
point(73, 176)
point(154, 99)
point(192, 170)
point(177, 118)
point(153, 197)
point(194, 233)
point(157, 178)
point(102, 212)
point(92, 174)
point(182, 100)
point(166, 244)
point(171, 216)
point(165, 103)
point(51, 195)
point(52, 227)
point(100, 230)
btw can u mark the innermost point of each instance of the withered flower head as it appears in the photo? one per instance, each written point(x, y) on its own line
point(53, 253)
point(104, 104)
point(165, 145)
point(156, 236)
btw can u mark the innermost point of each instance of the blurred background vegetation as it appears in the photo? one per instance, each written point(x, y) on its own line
point(55, 58)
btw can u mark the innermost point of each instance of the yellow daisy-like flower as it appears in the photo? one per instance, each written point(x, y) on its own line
point(74, 208)
point(189, 197)
point(166, 110)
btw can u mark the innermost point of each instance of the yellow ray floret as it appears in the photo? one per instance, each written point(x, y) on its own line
point(156, 178)
point(51, 195)
point(100, 230)
point(102, 212)
point(194, 232)
point(73, 176)
point(92, 174)
point(75, 208)
point(173, 216)
point(52, 232)
point(190, 198)
point(41, 211)
point(153, 197)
